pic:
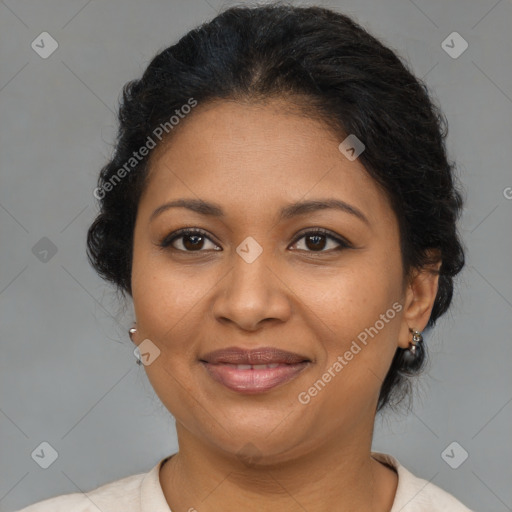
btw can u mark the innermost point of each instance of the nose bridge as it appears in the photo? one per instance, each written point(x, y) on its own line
point(251, 276)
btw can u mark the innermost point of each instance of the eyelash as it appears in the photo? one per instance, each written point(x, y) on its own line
point(167, 241)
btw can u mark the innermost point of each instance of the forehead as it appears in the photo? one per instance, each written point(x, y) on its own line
point(256, 157)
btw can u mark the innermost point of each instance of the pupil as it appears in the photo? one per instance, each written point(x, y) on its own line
point(317, 237)
point(195, 243)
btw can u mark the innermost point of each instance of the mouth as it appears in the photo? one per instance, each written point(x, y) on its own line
point(253, 371)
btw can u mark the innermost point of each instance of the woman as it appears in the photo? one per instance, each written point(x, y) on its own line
point(281, 210)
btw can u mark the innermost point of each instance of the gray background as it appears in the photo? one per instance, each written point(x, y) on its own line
point(68, 373)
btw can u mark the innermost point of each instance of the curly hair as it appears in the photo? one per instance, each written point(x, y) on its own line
point(331, 68)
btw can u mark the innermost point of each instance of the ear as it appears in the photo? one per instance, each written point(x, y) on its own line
point(420, 295)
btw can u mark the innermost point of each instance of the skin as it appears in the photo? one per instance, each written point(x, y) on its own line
point(252, 160)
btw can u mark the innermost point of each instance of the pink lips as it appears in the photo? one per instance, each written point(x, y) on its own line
point(253, 371)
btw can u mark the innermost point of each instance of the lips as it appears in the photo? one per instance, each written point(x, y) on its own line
point(253, 371)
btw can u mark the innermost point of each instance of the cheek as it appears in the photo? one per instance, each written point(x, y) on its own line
point(355, 317)
point(348, 299)
point(165, 294)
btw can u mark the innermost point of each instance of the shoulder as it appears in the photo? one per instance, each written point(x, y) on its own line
point(123, 494)
point(414, 494)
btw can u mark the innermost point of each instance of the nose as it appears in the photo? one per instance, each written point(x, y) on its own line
point(251, 294)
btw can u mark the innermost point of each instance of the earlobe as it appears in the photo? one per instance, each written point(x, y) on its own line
point(420, 297)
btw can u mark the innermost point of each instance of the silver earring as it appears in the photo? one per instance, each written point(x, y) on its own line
point(417, 338)
point(131, 332)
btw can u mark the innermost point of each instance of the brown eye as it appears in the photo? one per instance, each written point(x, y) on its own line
point(192, 240)
point(316, 241)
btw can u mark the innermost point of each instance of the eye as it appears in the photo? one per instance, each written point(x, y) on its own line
point(193, 240)
point(315, 243)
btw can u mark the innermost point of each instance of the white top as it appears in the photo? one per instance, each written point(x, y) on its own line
point(143, 493)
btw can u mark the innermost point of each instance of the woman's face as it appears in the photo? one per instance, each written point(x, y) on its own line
point(258, 279)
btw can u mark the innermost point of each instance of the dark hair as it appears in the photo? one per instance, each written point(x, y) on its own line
point(340, 74)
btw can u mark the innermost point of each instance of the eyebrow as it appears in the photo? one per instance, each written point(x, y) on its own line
point(289, 211)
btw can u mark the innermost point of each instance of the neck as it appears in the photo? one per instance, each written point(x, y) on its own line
point(335, 476)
